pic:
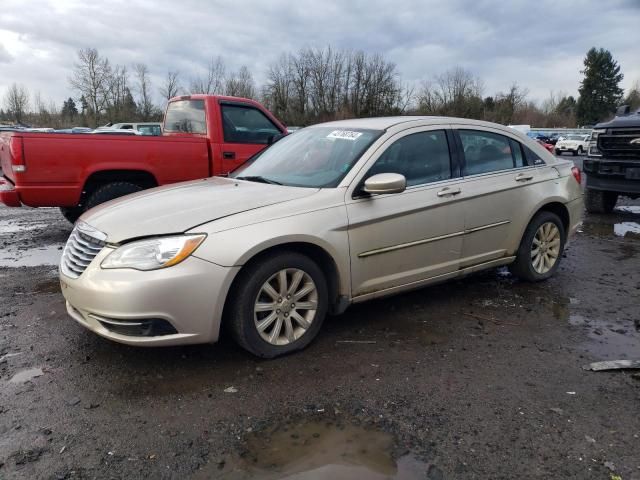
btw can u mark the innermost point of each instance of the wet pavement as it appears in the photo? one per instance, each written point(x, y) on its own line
point(478, 378)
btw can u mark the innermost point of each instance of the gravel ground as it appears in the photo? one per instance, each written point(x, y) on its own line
point(479, 378)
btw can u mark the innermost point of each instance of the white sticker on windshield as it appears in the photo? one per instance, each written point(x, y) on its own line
point(344, 134)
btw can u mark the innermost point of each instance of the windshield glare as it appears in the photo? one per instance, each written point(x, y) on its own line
point(313, 157)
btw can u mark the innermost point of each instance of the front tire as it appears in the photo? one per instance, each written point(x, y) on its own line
point(580, 151)
point(558, 152)
point(541, 248)
point(600, 201)
point(279, 305)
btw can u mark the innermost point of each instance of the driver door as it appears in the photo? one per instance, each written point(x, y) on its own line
point(405, 238)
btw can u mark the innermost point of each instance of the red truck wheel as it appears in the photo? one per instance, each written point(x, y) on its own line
point(109, 192)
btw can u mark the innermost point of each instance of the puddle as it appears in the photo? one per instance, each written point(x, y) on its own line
point(605, 338)
point(625, 228)
point(33, 257)
point(26, 375)
point(6, 226)
point(319, 450)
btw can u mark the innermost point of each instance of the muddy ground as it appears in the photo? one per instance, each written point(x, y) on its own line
point(479, 378)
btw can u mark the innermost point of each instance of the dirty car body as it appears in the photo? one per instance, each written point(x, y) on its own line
point(337, 214)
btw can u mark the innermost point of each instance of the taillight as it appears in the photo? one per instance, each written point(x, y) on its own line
point(17, 154)
point(577, 175)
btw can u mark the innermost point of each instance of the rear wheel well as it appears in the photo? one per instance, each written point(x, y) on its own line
point(560, 210)
point(320, 256)
point(97, 179)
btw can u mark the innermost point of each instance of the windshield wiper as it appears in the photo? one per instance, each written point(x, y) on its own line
point(258, 178)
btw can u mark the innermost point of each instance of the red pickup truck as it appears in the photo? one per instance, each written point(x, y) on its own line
point(203, 136)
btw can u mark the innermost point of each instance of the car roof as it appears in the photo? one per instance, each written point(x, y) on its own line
point(384, 123)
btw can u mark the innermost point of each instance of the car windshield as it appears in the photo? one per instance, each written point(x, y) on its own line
point(315, 157)
point(575, 137)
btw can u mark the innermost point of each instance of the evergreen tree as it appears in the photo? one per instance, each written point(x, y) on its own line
point(600, 90)
point(566, 106)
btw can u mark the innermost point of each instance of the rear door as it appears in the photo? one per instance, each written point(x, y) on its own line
point(404, 238)
point(246, 131)
point(500, 183)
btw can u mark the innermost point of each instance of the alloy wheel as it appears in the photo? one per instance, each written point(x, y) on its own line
point(285, 306)
point(545, 248)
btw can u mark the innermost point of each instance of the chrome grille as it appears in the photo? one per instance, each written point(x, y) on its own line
point(84, 243)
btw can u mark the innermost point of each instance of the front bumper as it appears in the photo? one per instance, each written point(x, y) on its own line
point(189, 296)
point(8, 193)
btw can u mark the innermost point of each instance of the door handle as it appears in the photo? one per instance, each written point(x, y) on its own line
point(229, 155)
point(448, 192)
point(524, 177)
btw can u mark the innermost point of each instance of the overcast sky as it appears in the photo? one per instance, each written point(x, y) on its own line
point(540, 45)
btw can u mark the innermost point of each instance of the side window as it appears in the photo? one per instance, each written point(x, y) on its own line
point(485, 152)
point(246, 125)
point(532, 157)
point(421, 157)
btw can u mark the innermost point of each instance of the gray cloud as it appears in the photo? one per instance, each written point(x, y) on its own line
point(5, 56)
point(538, 45)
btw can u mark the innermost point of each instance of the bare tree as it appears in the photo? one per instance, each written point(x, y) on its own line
point(90, 78)
point(145, 103)
point(119, 104)
point(213, 82)
point(16, 101)
point(240, 84)
point(456, 92)
point(171, 85)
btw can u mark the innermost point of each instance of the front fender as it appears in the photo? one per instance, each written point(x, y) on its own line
point(326, 229)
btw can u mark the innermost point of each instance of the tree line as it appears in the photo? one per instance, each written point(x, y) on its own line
point(315, 85)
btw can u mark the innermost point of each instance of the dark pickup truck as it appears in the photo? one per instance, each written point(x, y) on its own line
point(613, 164)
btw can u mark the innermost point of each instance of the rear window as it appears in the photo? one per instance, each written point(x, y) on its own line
point(186, 116)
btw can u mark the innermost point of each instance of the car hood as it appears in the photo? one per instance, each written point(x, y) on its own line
point(180, 207)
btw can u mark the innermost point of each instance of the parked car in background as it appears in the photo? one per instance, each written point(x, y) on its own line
point(114, 131)
point(547, 146)
point(338, 213)
point(145, 128)
point(613, 163)
point(203, 135)
point(577, 144)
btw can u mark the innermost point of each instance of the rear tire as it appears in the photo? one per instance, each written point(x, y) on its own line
point(110, 191)
point(71, 213)
point(254, 305)
point(600, 201)
point(540, 249)
point(558, 152)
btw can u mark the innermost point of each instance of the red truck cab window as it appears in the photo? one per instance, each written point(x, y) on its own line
point(186, 116)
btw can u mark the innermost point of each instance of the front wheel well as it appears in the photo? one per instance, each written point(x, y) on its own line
point(319, 255)
point(138, 177)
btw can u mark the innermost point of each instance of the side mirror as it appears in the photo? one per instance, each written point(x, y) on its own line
point(385, 183)
point(274, 138)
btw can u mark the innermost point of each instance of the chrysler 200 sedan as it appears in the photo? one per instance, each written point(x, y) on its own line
point(336, 214)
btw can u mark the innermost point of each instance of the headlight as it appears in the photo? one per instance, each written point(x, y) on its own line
point(155, 253)
point(593, 143)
